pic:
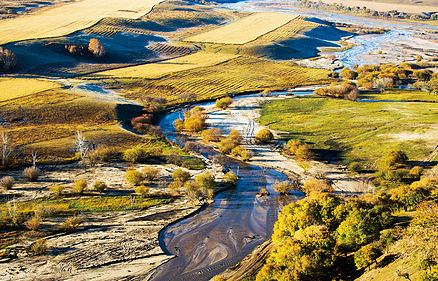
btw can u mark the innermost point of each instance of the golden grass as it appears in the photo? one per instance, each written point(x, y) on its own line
point(237, 75)
point(157, 70)
point(11, 88)
point(65, 19)
point(244, 30)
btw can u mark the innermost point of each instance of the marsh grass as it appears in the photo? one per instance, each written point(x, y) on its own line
point(359, 130)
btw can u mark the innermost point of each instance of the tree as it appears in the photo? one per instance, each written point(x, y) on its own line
point(264, 136)
point(214, 134)
point(231, 178)
point(6, 150)
point(96, 49)
point(367, 255)
point(283, 187)
point(180, 175)
point(347, 73)
point(8, 59)
point(224, 102)
point(81, 144)
point(206, 184)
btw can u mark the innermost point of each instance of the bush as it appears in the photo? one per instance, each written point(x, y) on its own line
point(39, 247)
point(99, 186)
point(180, 175)
point(245, 155)
point(175, 186)
point(80, 186)
point(348, 74)
point(355, 167)
point(57, 190)
point(133, 177)
point(264, 136)
point(395, 158)
point(142, 190)
point(70, 224)
point(134, 155)
point(300, 149)
point(206, 184)
point(214, 134)
point(231, 178)
point(283, 187)
point(224, 102)
point(150, 173)
point(33, 224)
point(31, 174)
point(7, 182)
point(103, 154)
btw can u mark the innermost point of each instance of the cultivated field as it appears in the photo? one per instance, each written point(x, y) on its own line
point(65, 19)
point(359, 130)
point(240, 74)
point(244, 30)
point(156, 70)
point(11, 88)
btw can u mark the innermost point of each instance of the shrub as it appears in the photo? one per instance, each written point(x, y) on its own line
point(355, 167)
point(70, 224)
point(175, 186)
point(245, 155)
point(39, 247)
point(231, 178)
point(133, 177)
point(237, 151)
point(96, 49)
point(214, 134)
point(206, 184)
point(150, 173)
point(80, 186)
point(134, 155)
point(103, 154)
point(300, 149)
point(31, 174)
point(33, 224)
point(99, 186)
point(348, 74)
point(57, 190)
point(180, 175)
point(8, 59)
point(224, 102)
point(395, 158)
point(283, 187)
point(264, 136)
point(142, 190)
point(317, 185)
point(7, 182)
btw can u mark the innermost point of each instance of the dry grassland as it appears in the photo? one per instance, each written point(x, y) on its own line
point(65, 19)
point(384, 7)
point(11, 88)
point(157, 70)
point(244, 30)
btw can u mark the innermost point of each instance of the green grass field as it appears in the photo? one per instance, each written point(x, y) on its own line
point(402, 95)
point(360, 130)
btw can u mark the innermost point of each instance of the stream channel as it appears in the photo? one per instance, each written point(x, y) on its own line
point(224, 232)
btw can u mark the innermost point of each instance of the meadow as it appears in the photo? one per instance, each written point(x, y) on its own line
point(359, 131)
point(244, 30)
point(11, 88)
point(401, 95)
point(159, 69)
point(67, 18)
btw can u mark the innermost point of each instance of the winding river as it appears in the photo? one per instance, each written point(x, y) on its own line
point(224, 232)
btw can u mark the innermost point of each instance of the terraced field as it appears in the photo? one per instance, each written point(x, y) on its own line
point(11, 88)
point(244, 30)
point(65, 19)
point(236, 75)
point(157, 70)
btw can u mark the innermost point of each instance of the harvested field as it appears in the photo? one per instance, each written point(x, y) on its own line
point(156, 70)
point(11, 88)
point(233, 76)
point(244, 30)
point(65, 19)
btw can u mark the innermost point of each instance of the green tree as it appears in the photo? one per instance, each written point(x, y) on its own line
point(367, 255)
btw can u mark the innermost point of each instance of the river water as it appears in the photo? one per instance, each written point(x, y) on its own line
point(224, 232)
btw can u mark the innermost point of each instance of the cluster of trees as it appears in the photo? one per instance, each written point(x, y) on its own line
point(232, 145)
point(316, 232)
point(144, 124)
point(347, 90)
point(364, 11)
point(8, 59)
point(94, 49)
point(194, 121)
point(299, 149)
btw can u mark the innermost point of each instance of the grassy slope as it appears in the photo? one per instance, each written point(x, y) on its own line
point(11, 88)
point(361, 130)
